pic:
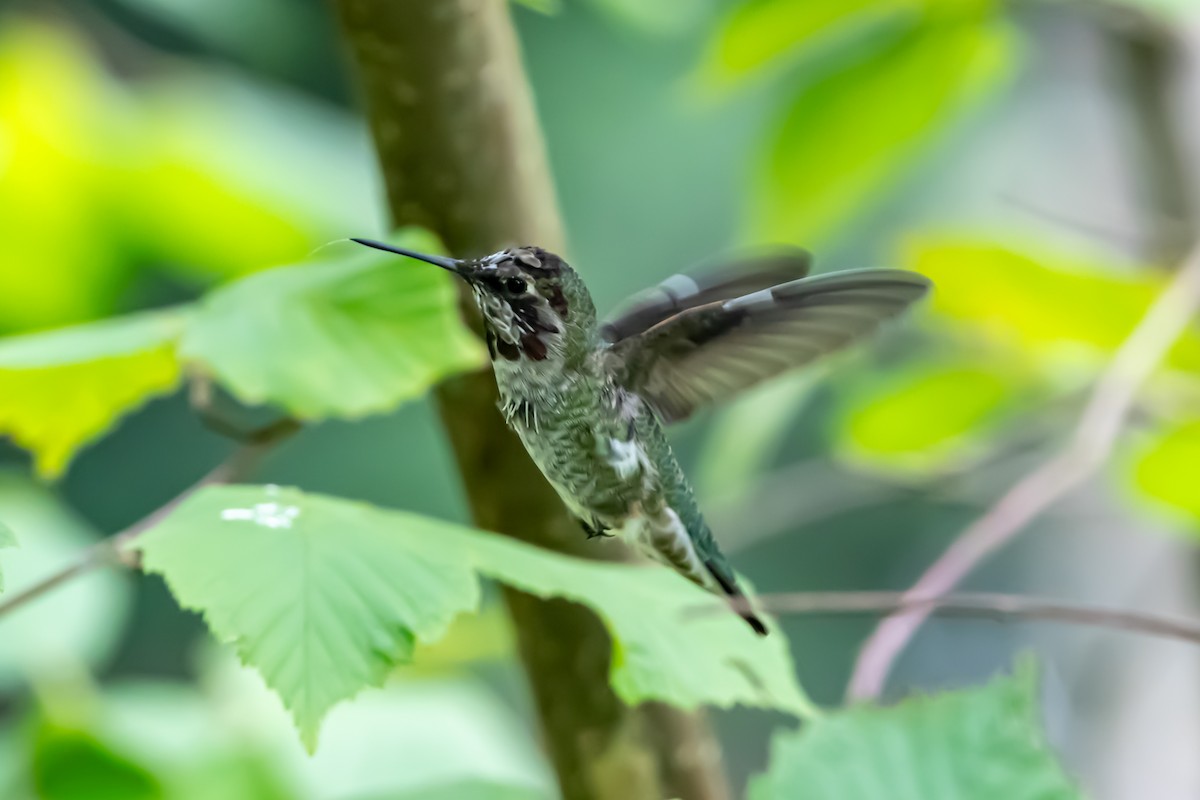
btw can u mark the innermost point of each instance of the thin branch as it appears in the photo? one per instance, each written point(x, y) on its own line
point(807, 493)
point(113, 550)
point(1110, 403)
point(1125, 240)
point(795, 496)
point(989, 605)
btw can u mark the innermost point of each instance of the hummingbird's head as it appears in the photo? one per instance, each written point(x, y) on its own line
point(529, 298)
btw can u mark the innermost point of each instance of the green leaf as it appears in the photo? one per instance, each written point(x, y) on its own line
point(343, 338)
point(978, 744)
point(1165, 469)
point(1014, 297)
point(347, 597)
point(485, 637)
point(353, 587)
point(773, 33)
point(690, 652)
point(854, 127)
point(929, 416)
point(61, 389)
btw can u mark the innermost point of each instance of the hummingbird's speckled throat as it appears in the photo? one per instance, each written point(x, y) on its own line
point(589, 400)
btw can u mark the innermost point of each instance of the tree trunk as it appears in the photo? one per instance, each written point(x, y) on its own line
point(461, 155)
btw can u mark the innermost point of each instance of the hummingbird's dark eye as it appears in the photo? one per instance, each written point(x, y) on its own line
point(515, 285)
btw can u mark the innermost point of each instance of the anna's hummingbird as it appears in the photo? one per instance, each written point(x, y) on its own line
point(589, 399)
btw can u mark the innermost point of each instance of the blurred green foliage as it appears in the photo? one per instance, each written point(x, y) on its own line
point(852, 129)
point(862, 110)
point(1014, 297)
point(471, 640)
point(63, 129)
point(1164, 468)
point(66, 387)
point(97, 171)
point(73, 765)
point(764, 34)
point(1007, 304)
point(982, 744)
point(931, 416)
point(168, 740)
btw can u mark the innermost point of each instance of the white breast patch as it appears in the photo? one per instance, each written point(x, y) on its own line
point(626, 458)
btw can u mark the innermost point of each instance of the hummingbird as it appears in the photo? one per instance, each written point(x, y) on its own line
point(589, 399)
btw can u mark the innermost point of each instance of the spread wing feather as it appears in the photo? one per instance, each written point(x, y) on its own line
point(680, 292)
point(707, 353)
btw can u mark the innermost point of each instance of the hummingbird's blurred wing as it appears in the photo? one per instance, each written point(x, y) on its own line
point(718, 282)
point(710, 352)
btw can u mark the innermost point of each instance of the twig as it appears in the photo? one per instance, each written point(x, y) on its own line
point(981, 604)
point(1126, 240)
point(795, 496)
point(806, 493)
point(1132, 365)
point(112, 551)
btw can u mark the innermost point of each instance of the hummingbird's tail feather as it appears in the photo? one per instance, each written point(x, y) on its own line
point(729, 586)
point(684, 547)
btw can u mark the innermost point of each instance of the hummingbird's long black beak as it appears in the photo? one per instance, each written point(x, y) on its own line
point(451, 264)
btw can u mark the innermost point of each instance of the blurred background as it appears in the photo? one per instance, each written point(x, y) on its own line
point(1033, 157)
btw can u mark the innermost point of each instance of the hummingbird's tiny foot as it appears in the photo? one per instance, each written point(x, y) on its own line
point(593, 531)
